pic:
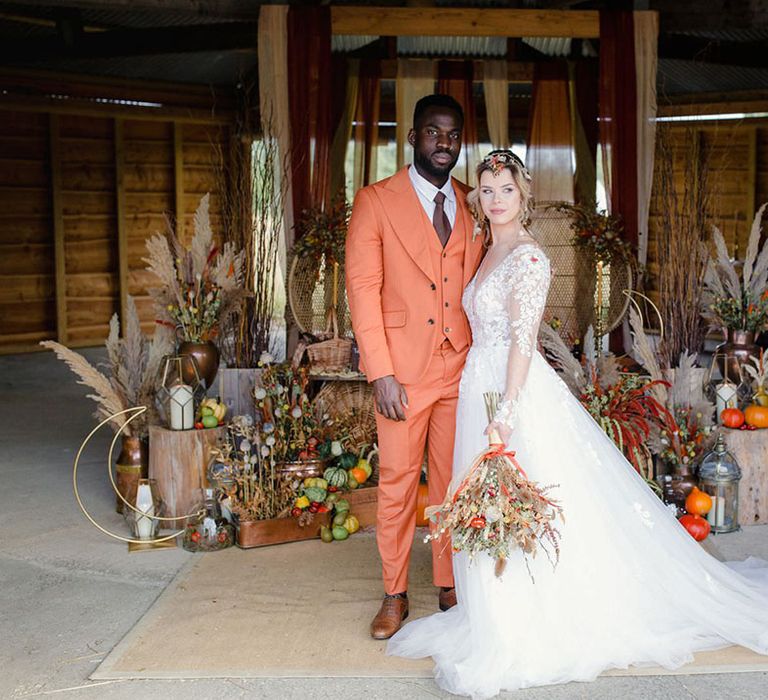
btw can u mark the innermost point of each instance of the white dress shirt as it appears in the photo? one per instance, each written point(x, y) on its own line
point(426, 192)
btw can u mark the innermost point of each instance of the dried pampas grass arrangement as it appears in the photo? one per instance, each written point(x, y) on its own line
point(133, 362)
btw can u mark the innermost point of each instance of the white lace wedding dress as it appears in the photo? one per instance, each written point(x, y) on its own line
point(632, 586)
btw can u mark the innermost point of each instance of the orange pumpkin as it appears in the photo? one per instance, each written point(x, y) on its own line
point(359, 473)
point(698, 502)
point(732, 418)
point(756, 415)
point(422, 501)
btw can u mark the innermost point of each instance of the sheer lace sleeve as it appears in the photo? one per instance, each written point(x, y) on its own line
point(528, 279)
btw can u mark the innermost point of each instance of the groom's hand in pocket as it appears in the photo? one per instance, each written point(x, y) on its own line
point(391, 398)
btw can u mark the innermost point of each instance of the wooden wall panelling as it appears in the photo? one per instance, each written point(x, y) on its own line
point(122, 235)
point(148, 184)
point(90, 204)
point(58, 229)
point(178, 179)
point(203, 146)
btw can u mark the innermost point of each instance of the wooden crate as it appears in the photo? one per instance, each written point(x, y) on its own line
point(261, 533)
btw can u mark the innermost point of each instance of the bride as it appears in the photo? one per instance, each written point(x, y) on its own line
point(632, 586)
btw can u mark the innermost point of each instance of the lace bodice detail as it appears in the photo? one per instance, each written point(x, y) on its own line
point(507, 305)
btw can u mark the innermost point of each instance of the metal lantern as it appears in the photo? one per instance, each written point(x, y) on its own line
point(719, 476)
point(180, 386)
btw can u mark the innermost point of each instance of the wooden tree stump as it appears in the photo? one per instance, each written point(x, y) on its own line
point(177, 462)
point(750, 448)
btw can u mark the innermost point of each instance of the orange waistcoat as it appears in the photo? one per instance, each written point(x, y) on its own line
point(396, 278)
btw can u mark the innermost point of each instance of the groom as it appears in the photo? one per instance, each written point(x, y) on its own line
point(409, 256)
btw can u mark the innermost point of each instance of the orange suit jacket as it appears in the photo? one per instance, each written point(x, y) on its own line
point(389, 277)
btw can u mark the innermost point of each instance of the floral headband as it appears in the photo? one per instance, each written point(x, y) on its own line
point(498, 160)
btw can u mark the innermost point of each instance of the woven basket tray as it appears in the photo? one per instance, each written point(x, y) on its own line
point(351, 408)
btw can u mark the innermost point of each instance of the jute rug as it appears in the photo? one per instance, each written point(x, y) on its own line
point(297, 610)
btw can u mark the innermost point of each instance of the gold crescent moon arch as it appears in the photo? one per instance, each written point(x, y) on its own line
point(134, 412)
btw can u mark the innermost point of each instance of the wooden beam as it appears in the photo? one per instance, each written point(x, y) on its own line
point(178, 179)
point(94, 109)
point(222, 36)
point(122, 233)
point(58, 229)
point(444, 21)
point(750, 54)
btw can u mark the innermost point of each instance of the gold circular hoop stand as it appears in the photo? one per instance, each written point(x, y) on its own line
point(133, 544)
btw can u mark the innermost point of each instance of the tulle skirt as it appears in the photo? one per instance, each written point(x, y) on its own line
point(632, 586)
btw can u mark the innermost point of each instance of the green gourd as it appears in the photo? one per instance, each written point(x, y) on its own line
point(339, 532)
point(314, 494)
point(336, 476)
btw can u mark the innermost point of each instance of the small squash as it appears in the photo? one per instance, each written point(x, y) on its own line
point(697, 527)
point(359, 474)
point(336, 476)
point(756, 415)
point(732, 418)
point(422, 501)
point(698, 502)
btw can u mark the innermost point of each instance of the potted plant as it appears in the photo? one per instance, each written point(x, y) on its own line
point(289, 426)
point(133, 363)
point(253, 180)
point(735, 298)
point(199, 286)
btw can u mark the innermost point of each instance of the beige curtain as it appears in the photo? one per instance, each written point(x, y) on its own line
point(646, 45)
point(344, 131)
point(366, 128)
point(496, 90)
point(550, 140)
point(273, 97)
point(415, 78)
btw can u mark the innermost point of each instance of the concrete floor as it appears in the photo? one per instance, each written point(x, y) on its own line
point(69, 593)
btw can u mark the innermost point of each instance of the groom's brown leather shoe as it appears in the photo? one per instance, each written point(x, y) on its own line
point(394, 609)
point(446, 598)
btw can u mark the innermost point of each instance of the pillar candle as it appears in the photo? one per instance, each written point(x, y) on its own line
point(725, 397)
point(144, 504)
point(182, 407)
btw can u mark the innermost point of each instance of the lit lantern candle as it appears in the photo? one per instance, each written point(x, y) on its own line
point(182, 405)
point(145, 522)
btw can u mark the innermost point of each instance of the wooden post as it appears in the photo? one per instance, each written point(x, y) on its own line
point(178, 175)
point(178, 460)
point(750, 449)
point(58, 229)
point(122, 234)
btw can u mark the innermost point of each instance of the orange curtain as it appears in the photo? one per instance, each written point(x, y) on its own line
point(310, 92)
point(618, 116)
point(455, 78)
point(367, 123)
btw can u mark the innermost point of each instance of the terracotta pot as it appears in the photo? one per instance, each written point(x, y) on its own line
point(132, 465)
point(738, 347)
point(207, 358)
point(687, 479)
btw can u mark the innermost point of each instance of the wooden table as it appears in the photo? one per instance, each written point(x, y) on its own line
point(750, 449)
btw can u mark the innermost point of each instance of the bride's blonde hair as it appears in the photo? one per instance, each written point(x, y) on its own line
point(495, 162)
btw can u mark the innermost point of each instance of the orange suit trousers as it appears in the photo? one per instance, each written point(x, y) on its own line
point(431, 423)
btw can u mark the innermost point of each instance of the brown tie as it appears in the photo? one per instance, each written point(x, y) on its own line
point(440, 219)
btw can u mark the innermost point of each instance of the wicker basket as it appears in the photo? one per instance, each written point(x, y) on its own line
point(350, 406)
point(330, 355)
